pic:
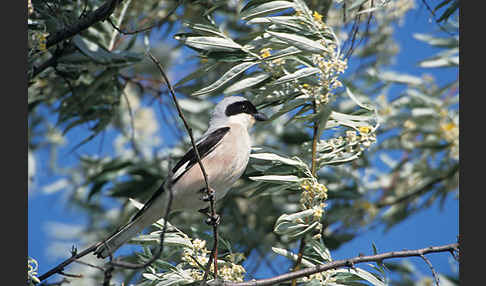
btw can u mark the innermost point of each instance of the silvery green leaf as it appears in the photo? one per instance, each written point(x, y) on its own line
point(444, 59)
point(99, 55)
point(292, 217)
point(294, 229)
point(324, 113)
point(290, 105)
point(438, 42)
point(343, 117)
point(205, 29)
point(274, 19)
point(423, 98)
point(358, 102)
point(194, 106)
point(440, 62)
point(269, 190)
point(292, 256)
point(338, 161)
point(396, 77)
point(229, 75)
point(276, 178)
point(212, 44)
point(417, 112)
point(321, 250)
point(265, 9)
point(294, 23)
point(363, 274)
point(169, 239)
point(369, 10)
point(56, 186)
point(200, 72)
point(300, 42)
point(247, 82)
point(287, 52)
point(150, 276)
point(356, 4)
point(301, 73)
point(136, 203)
point(302, 7)
point(275, 157)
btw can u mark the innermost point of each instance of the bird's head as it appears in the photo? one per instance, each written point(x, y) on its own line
point(236, 109)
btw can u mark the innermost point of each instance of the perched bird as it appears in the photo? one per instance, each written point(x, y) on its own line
point(224, 150)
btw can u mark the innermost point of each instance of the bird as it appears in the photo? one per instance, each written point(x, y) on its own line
point(224, 150)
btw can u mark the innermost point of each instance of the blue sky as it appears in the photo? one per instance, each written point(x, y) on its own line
point(433, 226)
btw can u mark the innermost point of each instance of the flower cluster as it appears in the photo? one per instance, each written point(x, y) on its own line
point(331, 65)
point(316, 276)
point(450, 132)
point(312, 197)
point(32, 270)
point(40, 40)
point(355, 141)
point(313, 193)
point(198, 256)
point(265, 52)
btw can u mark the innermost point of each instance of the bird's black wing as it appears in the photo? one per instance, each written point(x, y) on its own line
point(205, 147)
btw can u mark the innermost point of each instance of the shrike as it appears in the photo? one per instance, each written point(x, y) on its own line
point(224, 150)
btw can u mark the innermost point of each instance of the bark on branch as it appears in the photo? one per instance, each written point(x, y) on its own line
point(343, 263)
point(100, 14)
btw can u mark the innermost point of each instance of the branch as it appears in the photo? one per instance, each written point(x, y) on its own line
point(209, 191)
point(315, 139)
point(74, 256)
point(100, 14)
point(158, 24)
point(59, 269)
point(434, 274)
point(343, 263)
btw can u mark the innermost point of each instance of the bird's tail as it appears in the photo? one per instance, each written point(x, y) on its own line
point(116, 240)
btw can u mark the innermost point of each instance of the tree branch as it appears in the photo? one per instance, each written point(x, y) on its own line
point(100, 14)
point(74, 256)
point(158, 24)
point(315, 139)
point(343, 263)
point(434, 274)
point(209, 191)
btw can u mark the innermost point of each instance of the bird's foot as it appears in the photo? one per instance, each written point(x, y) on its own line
point(210, 220)
point(208, 194)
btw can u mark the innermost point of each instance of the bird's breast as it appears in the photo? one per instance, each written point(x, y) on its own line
point(224, 165)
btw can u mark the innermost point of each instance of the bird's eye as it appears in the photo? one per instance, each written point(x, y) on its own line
point(244, 107)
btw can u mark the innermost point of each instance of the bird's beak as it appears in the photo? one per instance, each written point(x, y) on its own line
point(260, 116)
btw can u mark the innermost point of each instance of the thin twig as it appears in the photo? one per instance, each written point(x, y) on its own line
point(342, 263)
point(68, 261)
point(146, 29)
point(133, 142)
point(433, 16)
point(108, 275)
point(70, 275)
point(209, 191)
point(434, 274)
point(120, 20)
point(90, 265)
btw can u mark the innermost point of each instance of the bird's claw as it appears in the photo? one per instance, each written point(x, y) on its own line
point(208, 195)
